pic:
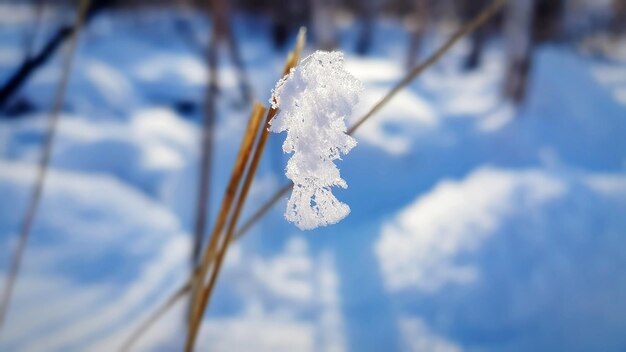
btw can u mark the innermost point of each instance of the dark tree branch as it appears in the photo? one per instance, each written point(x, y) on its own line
point(32, 63)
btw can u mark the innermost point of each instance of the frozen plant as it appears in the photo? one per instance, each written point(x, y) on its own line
point(313, 101)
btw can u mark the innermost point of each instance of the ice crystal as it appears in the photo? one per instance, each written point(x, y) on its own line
point(313, 101)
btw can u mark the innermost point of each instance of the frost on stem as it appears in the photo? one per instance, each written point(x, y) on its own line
point(313, 101)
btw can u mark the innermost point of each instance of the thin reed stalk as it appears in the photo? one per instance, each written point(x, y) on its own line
point(206, 294)
point(240, 163)
point(35, 198)
point(414, 73)
point(199, 303)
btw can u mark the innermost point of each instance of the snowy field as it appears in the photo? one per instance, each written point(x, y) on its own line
point(473, 226)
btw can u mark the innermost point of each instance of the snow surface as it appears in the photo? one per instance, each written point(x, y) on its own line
point(473, 226)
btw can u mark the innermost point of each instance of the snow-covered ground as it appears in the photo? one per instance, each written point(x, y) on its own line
point(473, 226)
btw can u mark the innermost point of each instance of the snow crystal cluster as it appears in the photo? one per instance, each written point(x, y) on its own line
point(313, 102)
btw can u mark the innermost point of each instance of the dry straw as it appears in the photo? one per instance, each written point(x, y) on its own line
point(201, 295)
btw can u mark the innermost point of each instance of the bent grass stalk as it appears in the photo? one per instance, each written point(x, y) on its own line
point(206, 294)
point(199, 304)
point(245, 150)
point(197, 300)
point(468, 28)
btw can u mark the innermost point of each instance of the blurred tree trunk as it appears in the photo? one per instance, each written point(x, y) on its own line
point(287, 18)
point(470, 9)
point(220, 13)
point(548, 22)
point(518, 33)
point(223, 33)
point(419, 25)
point(367, 17)
point(618, 25)
point(324, 27)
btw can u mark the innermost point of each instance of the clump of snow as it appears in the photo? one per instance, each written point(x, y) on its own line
point(313, 102)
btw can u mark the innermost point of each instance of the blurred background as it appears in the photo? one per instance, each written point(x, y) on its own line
point(488, 198)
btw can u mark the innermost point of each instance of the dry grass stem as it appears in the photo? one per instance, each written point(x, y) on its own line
point(199, 304)
point(231, 189)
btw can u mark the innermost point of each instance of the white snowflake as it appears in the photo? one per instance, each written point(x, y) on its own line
point(313, 102)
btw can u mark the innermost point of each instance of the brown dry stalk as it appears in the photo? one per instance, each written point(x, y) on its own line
point(463, 31)
point(199, 304)
point(206, 294)
point(419, 69)
point(35, 198)
point(238, 170)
